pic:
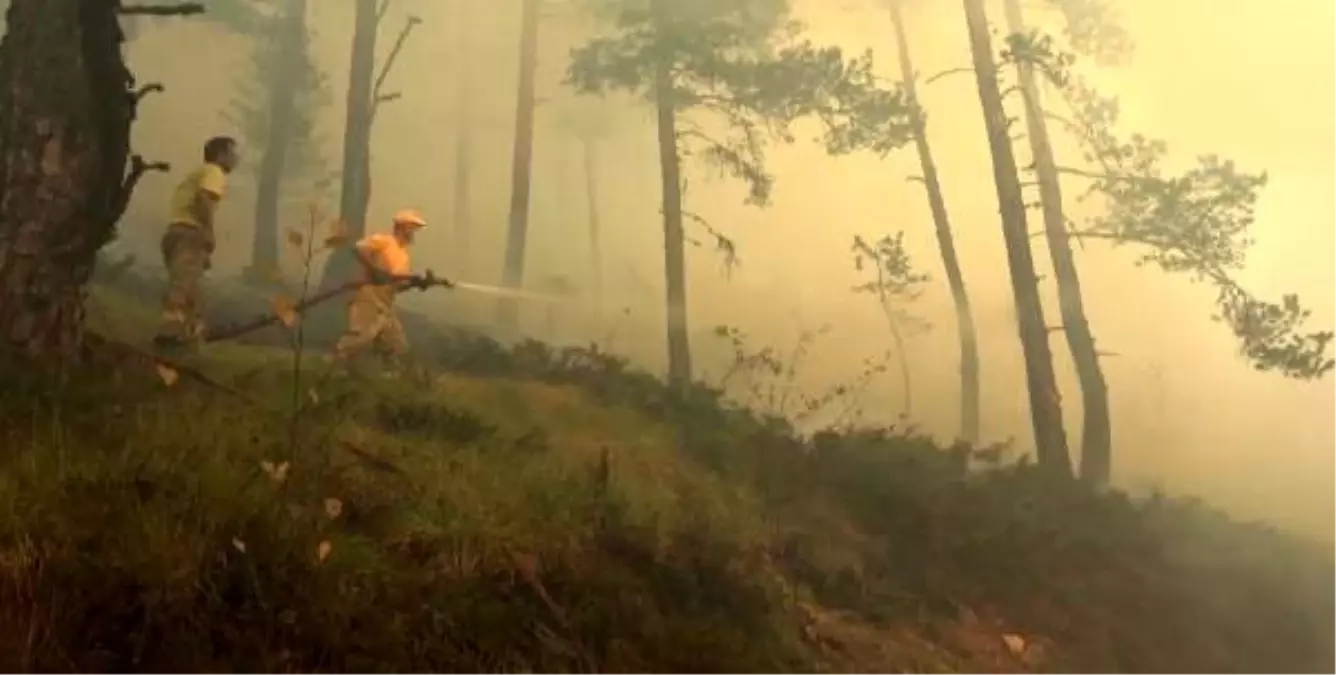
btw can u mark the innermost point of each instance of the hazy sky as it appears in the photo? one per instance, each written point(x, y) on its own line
point(1246, 79)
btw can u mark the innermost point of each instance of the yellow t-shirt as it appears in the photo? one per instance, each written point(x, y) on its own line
point(384, 251)
point(211, 178)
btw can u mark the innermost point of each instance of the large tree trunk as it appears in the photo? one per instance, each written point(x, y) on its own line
point(65, 118)
point(674, 235)
point(1097, 428)
point(674, 242)
point(462, 246)
point(278, 141)
point(595, 236)
point(1045, 405)
point(968, 335)
point(517, 233)
point(356, 178)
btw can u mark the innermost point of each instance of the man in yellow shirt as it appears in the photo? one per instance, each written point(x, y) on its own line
point(371, 319)
point(189, 242)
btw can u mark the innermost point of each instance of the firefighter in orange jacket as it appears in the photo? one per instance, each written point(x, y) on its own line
point(371, 318)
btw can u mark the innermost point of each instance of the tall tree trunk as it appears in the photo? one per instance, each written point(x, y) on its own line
point(355, 186)
point(674, 235)
point(278, 141)
point(65, 116)
point(517, 233)
point(968, 334)
point(595, 236)
point(1097, 428)
point(462, 246)
point(1045, 405)
point(674, 242)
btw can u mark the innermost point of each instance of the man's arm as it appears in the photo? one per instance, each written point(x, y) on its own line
point(212, 182)
point(364, 252)
point(205, 206)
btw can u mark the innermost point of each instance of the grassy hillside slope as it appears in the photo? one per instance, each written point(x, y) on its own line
point(531, 509)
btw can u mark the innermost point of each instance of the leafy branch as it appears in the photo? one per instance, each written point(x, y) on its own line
point(765, 381)
point(1094, 30)
point(1197, 222)
point(895, 275)
point(895, 285)
point(729, 74)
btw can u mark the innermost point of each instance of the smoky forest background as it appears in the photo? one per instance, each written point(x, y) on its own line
point(749, 335)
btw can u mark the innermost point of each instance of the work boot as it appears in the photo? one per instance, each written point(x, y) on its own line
point(351, 366)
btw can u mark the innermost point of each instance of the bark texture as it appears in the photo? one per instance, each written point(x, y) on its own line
point(66, 108)
point(517, 231)
point(674, 234)
point(1045, 404)
point(1097, 427)
point(355, 193)
point(946, 245)
point(674, 238)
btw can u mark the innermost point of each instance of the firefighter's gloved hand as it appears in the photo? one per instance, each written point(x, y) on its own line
point(429, 278)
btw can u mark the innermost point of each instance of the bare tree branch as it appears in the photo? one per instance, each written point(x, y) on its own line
point(182, 9)
point(138, 167)
point(151, 88)
point(376, 97)
point(944, 73)
point(723, 243)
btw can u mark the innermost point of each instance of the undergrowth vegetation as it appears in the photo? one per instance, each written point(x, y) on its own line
point(532, 508)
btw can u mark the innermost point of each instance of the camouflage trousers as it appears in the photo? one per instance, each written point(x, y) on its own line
point(371, 323)
point(186, 253)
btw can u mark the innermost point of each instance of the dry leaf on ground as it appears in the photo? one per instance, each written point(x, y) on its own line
point(286, 310)
point(169, 375)
point(276, 472)
point(333, 507)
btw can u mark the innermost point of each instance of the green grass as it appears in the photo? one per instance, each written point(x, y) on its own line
point(532, 509)
point(136, 509)
point(132, 496)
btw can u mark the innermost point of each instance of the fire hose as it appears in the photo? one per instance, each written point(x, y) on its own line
point(419, 282)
